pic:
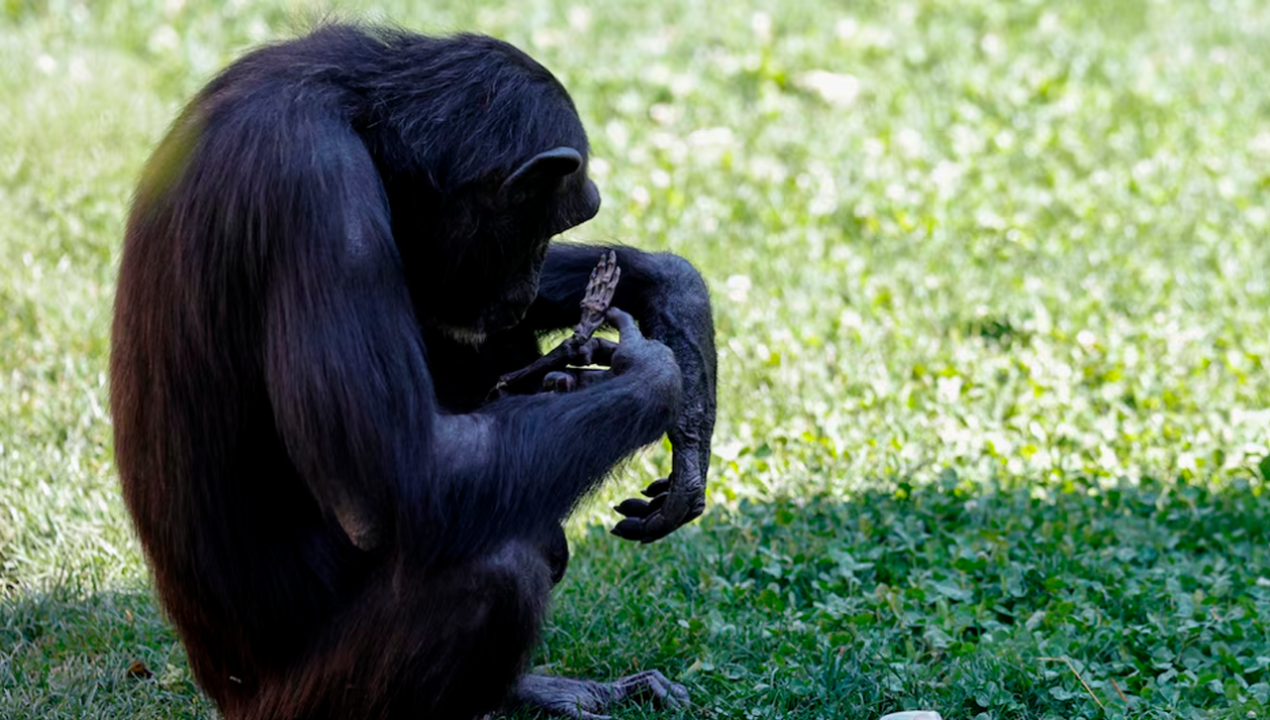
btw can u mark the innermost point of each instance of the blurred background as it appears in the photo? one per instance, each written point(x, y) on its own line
point(991, 288)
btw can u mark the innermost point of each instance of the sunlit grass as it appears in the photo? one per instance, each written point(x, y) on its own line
point(992, 291)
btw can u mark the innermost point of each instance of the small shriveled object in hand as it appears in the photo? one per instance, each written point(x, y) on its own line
point(672, 501)
point(548, 371)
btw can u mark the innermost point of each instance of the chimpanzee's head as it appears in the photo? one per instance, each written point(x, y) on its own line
point(495, 275)
point(499, 167)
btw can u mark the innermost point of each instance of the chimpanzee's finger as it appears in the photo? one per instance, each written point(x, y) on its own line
point(629, 529)
point(657, 487)
point(596, 351)
point(633, 508)
point(559, 381)
point(656, 527)
point(624, 323)
point(680, 693)
point(637, 508)
point(651, 685)
point(645, 530)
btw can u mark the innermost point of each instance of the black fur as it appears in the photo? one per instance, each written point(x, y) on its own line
point(330, 260)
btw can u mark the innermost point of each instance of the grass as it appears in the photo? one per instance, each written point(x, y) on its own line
point(992, 295)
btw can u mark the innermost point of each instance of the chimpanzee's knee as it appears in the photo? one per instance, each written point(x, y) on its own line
point(526, 571)
point(447, 641)
point(475, 632)
point(555, 551)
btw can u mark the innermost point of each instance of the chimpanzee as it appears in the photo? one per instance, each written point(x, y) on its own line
point(332, 257)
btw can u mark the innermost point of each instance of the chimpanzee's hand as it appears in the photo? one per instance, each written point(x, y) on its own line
point(675, 501)
point(680, 498)
point(652, 361)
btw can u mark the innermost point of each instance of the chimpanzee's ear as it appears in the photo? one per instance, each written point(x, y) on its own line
point(545, 167)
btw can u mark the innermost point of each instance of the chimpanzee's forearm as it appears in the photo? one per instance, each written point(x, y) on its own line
point(670, 300)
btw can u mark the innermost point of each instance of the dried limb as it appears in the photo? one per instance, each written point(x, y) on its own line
point(595, 303)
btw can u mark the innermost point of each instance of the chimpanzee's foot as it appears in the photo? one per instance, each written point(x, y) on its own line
point(586, 699)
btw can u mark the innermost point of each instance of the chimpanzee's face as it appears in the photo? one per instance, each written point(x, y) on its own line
point(495, 283)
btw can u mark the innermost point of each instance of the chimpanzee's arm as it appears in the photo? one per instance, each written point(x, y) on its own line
point(670, 300)
point(345, 372)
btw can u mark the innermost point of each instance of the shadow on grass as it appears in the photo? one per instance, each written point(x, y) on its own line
point(1148, 600)
point(1138, 601)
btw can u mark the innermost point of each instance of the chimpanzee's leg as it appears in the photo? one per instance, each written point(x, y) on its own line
point(555, 549)
point(444, 645)
point(585, 699)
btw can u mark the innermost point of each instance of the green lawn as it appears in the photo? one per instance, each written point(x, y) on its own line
point(992, 289)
